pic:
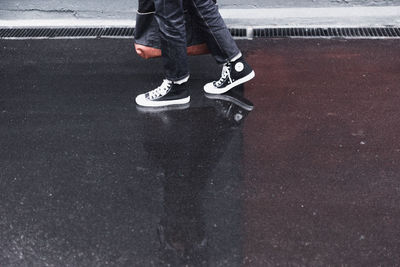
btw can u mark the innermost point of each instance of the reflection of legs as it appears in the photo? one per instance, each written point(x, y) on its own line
point(182, 228)
point(187, 157)
point(219, 39)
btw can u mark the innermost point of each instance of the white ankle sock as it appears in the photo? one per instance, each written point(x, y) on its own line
point(236, 57)
point(183, 80)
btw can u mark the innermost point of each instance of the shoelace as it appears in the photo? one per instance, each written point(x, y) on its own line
point(226, 73)
point(162, 90)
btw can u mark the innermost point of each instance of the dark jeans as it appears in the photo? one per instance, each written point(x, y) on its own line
point(170, 17)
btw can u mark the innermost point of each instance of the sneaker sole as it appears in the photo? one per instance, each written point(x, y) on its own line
point(217, 91)
point(165, 103)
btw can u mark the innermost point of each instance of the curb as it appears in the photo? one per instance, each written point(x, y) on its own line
point(239, 18)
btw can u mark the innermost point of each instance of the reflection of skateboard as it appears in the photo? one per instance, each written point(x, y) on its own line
point(234, 98)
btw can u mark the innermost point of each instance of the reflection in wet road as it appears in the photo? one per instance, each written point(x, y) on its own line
point(198, 225)
point(310, 177)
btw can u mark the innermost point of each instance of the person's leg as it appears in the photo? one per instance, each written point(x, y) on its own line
point(171, 20)
point(219, 39)
point(235, 71)
point(170, 17)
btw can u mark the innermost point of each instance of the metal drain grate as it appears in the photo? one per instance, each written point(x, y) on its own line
point(24, 33)
point(238, 32)
point(388, 32)
point(44, 33)
point(128, 32)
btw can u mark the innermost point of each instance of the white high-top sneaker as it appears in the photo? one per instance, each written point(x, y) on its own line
point(233, 74)
point(168, 93)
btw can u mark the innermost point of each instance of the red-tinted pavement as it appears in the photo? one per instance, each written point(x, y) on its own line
point(322, 153)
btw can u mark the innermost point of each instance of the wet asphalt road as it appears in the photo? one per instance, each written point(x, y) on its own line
point(310, 177)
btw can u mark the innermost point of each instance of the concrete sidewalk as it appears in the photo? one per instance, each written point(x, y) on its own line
point(260, 17)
